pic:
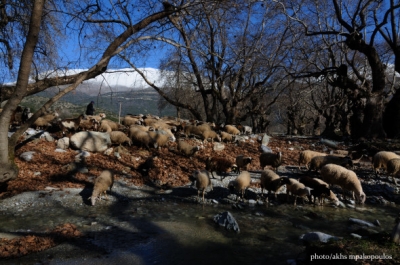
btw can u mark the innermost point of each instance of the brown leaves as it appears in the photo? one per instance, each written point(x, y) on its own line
point(11, 248)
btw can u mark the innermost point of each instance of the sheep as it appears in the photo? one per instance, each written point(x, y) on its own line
point(44, 121)
point(192, 130)
point(141, 127)
point(26, 114)
point(297, 189)
point(187, 149)
point(271, 159)
point(129, 120)
point(319, 161)
point(88, 125)
point(97, 117)
point(319, 189)
point(211, 134)
point(381, 159)
point(241, 183)
point(105, 125)
point(227, 137)
point(242, 162)
point(346, 179)
point(142, 138)
point(71, 124)
point(118, 137)
point(101, 184)
point(161, 138)
point(247, 130)
point(393, 168)
point(272, 182)
point(218, 164)
point(203, 180)
point(306, 156)
point(231, 129)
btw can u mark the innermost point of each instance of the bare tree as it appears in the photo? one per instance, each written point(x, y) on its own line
point(121, 38)
point(356, 25)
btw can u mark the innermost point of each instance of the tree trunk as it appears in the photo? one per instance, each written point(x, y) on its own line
point(373, 117)
point(391, 116)
point(8, 168)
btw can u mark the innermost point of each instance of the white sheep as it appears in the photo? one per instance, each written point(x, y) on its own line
point(209, 134)
point(232, 129)
point(247, 129)
point(118, 137)
point(141, 138)
point(129, 120)
point(44, 121)
point(393, 168)
point(242, 162)
point(319, 161)
point(160, 139)
point(106, 125)
point(306, 156)
point(203, 180)
point(227, 137)
point(272, 182)
point(97, 117)
point(271, 159)
point(297, 189)
point(346, 179)
point(381, 159)
point(101, 184)
point(241, 183)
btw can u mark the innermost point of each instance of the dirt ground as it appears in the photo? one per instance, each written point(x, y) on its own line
point(168, 169)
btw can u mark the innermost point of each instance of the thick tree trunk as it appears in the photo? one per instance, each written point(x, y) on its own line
point(8, 168)
point(391, 116)
point(373, 117)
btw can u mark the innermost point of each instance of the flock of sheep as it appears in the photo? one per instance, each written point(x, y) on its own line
point(154, 132)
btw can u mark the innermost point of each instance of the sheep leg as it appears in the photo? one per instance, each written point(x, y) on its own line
point(295, 200)
point(204, 190)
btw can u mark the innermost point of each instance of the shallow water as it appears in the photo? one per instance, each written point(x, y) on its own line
point(160, 231)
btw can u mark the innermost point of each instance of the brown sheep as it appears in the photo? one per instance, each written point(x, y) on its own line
point(227, 137)
point(101, 184)
point(44, 121)
point(319, 161)
point(272, 182)
point(218, 164)
point(231, 129)
point(271, 159)
point(381, 159)
point(208, 134)
point(242, 162)
point(118, 137)
point(241, 183)
point(71, 124)
point(297, 189)
point(306, 156)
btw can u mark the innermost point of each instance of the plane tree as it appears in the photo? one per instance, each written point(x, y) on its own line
point(122, 21)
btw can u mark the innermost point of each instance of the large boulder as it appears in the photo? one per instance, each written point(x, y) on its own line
point(90, 141)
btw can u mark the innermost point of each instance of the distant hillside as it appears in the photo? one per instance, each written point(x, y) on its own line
point(134, 102)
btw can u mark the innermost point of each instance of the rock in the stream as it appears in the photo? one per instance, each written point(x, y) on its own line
point(318, 236)
point(226, 220)
point(361, 222)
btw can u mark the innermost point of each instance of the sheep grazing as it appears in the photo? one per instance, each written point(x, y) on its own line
point(45, 121)
point(381, 159)
point(101, 184)
point(71, 124)
point(209, 134)
point(218, 164)
point(320, 189)
point(88, 125)
point(141, 138)
point(297, 189)
point(242, 162)
point(227, 137)
point(129, 120)
point(318, 162)
point(272, 182)
point(106, 125)
point(306, 156)
point(346, 179)
point(241, 183)
point(393, 168)
point(271, 159)
point(160, 139)
point(118, 138)
point(203, 180)
point(231, 130)
point(187, 149)
point(97, 117)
